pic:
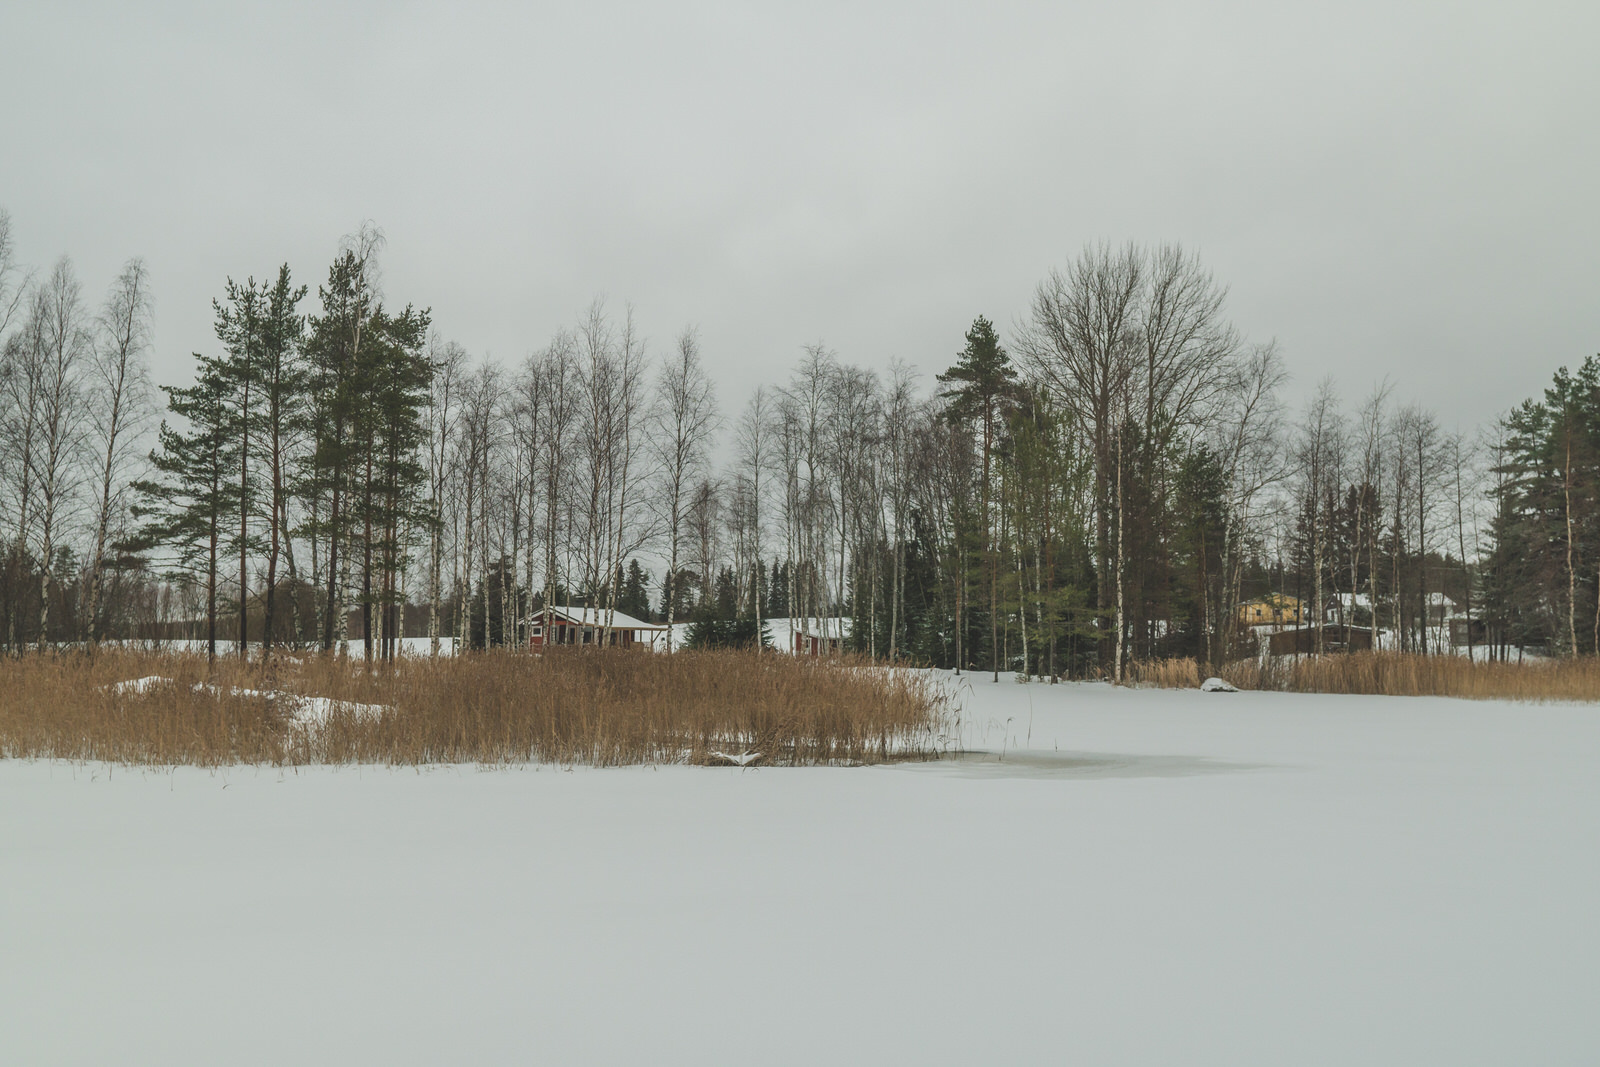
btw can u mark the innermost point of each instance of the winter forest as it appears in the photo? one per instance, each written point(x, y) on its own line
point(1106, 480)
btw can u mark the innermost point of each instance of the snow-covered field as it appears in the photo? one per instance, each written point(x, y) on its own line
point(1146, 877)
point(780, 630)
point(409, 646)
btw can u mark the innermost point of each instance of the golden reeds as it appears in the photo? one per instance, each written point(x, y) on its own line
point(1395, 674)
point(1165, 673)
point(588, 706)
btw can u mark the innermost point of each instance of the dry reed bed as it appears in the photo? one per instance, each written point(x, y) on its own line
point(583, 706)
point(1393, 674)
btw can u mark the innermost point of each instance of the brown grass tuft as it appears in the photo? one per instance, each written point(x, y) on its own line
point(583, 706)
point(1165, 673)
point(1397, 674)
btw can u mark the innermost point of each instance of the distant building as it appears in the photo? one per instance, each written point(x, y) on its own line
point(1462, 627)
point(1440, 608)
point(1347, 607)
point(589, 626)
point(1303, 640)
point(1274, 609)
point(819, 637)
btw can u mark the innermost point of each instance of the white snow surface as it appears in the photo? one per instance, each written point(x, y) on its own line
point(1152, 877)
point(409, 646)
point(306, 711)
point(780, 629)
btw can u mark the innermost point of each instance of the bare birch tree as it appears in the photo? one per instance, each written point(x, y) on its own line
point(686, 420)
point(449, 361)
point(1247, 436)
point(1320, 455)
point(13, 287)
point(1082, 341)
point(560, 403)
point(900, 439)
point(65, 343)
point(753, 450)
point(119, 409)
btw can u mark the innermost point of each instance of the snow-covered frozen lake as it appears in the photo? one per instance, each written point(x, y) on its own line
point(1146, 877)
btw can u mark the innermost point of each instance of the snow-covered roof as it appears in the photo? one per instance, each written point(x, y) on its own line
point(837, 626)
point(600, 617)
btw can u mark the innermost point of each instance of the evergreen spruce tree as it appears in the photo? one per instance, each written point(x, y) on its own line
point(977, 389)
point(717, 621)
point(635, 597)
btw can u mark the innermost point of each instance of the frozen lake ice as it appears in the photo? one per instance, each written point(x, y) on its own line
point(1109, 876)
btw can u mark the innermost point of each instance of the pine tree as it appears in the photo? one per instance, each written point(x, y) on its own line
point(370, 377)
point(191, 504)
point(394, 501)
point(977, 388)
point(333, 350)
point(239, 326)
point(283, 399)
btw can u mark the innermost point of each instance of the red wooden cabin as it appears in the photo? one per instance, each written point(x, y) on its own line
point(590, 626)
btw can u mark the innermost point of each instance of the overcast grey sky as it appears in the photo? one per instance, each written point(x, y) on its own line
point(1407, 190)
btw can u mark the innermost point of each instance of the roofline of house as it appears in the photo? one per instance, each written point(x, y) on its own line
point(578, 620)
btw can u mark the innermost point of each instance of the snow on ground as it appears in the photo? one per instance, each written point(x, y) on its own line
point(1143, 877)
point(307, 711)
point(780, 629)
point(409, 646)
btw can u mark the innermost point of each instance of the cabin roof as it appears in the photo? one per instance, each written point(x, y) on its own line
point(617, 620)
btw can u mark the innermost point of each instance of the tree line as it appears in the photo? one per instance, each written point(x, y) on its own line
point(1107, 481)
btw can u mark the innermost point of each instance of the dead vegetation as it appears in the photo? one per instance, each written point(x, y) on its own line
point(1392, 674)
point(1165, 673)
point(585, 706)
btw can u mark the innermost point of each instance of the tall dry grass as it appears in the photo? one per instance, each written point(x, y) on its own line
point(1395, 674)
point(1165, 673)
point(583, 706)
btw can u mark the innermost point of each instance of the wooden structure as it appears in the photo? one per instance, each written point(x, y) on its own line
point(819, 637)
point(1461, 626)
point(589, 626)
point(1303, 640)
point(1441, 608)
point(1274, 609)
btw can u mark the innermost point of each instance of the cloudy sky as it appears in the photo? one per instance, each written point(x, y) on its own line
point(1389, 189)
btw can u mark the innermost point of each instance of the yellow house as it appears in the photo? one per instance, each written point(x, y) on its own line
point(1274, 609)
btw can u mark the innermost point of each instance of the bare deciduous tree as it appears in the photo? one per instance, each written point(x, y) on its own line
point(119, 408)
point(13, 288)
point(685, 420)
point(63, 343)
point(449, 360)
point(1320, 456)
point(1247, 436)
point(753, 449)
